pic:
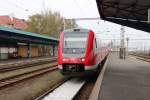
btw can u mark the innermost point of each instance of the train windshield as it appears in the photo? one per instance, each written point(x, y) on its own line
point(74, 44)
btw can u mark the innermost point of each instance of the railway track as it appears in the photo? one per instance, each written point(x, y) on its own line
point(92, 87)
point(141, 57)
point(69, 89)
point(22, 65)
point(72, 89)
point(86, 90)
point(8, 81)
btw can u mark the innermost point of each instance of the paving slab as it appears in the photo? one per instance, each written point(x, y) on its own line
point(127, 79)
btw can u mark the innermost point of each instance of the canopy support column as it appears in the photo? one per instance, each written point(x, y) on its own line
point(29, 50)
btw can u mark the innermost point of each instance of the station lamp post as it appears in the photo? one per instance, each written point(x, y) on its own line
point(122, 43)
point(127, 45)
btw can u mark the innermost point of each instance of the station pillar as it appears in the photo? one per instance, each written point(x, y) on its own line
point(122, 53)
point(29, 50)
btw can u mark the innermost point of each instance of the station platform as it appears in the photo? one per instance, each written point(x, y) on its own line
point(127, 79)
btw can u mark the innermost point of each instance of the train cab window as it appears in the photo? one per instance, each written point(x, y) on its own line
point(74, 43)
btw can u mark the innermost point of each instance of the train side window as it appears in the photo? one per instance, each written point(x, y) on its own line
point(95, 43)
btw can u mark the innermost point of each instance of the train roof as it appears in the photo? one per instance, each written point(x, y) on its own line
point(76, 30)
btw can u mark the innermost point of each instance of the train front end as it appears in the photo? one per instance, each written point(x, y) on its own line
point(75, 51)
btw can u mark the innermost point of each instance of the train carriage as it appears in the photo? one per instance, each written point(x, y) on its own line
point(78, 53)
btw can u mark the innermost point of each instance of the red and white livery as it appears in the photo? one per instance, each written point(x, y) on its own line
point(78, 52)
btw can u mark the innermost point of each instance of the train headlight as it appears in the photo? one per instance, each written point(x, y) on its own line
point(82, 59)
point(64, 59)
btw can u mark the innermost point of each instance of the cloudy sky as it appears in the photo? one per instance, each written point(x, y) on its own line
point(76, 9)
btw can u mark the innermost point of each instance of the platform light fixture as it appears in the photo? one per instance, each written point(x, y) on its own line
point(148, 16)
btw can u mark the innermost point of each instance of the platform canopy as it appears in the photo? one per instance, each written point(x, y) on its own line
point(13, 35)
point(131, 13)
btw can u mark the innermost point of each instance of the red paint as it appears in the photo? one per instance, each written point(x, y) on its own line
point(60, 49)
point(89, 53)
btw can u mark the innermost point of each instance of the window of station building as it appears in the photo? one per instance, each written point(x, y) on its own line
point(3, 53)
point(8, 52)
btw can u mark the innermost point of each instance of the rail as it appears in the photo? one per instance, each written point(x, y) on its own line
point(24, 76)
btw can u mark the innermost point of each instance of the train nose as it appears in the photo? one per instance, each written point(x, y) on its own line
point(73, 60)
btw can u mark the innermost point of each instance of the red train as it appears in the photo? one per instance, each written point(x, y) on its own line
point(78, 52)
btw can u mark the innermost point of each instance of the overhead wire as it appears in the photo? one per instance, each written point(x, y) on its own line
point(79, 7)
point(17, 6)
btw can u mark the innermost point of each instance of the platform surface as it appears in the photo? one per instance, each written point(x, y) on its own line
point(127, 79)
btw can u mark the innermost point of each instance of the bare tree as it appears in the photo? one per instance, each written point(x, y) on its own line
point(49, 23)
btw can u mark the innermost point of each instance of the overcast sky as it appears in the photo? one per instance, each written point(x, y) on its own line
point(75, 9)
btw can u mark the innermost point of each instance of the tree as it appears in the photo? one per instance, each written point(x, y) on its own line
point(70, 23)
point(49, 23)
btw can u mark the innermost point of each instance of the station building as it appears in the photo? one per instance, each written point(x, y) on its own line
point(20, 44)
point(16, 43)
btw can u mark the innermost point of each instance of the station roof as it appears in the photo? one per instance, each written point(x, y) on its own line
point(131, 13)
point(23, 36)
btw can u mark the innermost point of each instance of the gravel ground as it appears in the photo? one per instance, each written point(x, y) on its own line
point(29, 90)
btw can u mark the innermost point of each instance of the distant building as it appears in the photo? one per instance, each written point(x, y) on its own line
point(12, 22)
